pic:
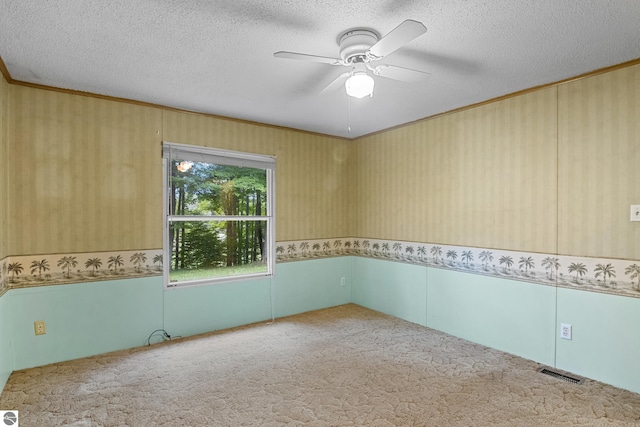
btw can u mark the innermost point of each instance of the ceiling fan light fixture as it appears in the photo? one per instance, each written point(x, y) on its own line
point(359, 85)
point(184, 166)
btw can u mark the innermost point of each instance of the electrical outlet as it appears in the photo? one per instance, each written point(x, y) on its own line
point(635, 213)
point(343, 281)
point(40, 327)
point(565, 331)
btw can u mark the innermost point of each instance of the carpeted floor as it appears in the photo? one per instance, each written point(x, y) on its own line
point(343, 366)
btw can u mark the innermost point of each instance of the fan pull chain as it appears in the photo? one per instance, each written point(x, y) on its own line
point(349, 123)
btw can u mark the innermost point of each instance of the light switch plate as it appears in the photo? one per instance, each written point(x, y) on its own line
point(635, 213)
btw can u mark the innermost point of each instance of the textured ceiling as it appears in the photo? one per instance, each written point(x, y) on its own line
point(217, 56)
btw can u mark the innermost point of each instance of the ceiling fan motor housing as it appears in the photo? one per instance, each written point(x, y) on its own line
point(354, 44)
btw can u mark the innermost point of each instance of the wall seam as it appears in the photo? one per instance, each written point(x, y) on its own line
point(555, 322)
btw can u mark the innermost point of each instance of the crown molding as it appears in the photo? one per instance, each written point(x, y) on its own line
point(9, 79)
point(512, 95)
point(5, 71)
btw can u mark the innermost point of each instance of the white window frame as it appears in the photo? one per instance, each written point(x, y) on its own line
point(222, 157)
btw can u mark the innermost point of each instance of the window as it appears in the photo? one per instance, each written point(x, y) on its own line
point(219, 215)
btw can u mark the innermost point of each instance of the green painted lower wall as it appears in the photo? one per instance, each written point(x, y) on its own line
point(606, 340)
point(297, 287)
point(311, 285)
point(518, 317)
point(199, 309)
point(6, 357)
point(393, 288)
point(512, 316)
point(83, 319)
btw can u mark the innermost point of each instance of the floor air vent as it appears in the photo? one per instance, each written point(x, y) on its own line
point(560, 376)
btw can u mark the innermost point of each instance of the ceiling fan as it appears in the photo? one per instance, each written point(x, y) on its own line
point(359, 48)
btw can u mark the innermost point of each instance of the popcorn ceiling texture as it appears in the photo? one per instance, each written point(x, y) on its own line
point(343, 366)
point(217, 57)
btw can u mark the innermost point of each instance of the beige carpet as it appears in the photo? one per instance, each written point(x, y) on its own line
point(344, 366)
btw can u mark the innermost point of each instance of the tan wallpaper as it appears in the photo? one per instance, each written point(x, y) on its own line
point(482, 177)
point(86, 173)
point(551, 171)
point(4, 162)
point(599, 164)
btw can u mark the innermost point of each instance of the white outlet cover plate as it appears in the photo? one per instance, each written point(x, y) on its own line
point(565, 331)
point(635, 213)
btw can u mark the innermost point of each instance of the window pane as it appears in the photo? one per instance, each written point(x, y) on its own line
point(201, 250)
point(226, 196)
point(209, 189)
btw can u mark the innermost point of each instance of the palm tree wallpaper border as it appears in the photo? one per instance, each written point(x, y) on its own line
point(604, 275)
point(46, 270)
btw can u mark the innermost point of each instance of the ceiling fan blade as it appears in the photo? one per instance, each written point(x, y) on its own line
point(336, 83)
point(306, 57)
point(400, 73)
point(398, 37)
